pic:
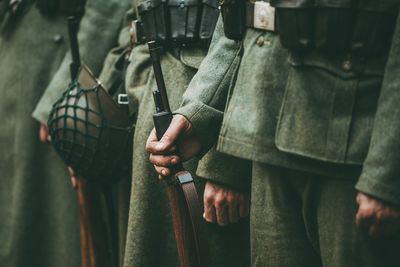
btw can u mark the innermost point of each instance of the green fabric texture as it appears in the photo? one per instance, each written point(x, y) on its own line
point(98, 32)
point(381, 170)
point(150, 238)
point(302, 219)
point(310, 112)
point(226, 170)
point(39, 223)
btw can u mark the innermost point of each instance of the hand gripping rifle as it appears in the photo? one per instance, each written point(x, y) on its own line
point(98, 248)
point(189, 226)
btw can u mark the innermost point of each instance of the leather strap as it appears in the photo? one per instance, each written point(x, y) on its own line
point(185, 180)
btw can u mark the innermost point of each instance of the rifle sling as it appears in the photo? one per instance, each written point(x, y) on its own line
point(185, 180)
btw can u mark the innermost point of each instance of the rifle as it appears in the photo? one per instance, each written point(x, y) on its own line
point(98, 245)
point(189, 226)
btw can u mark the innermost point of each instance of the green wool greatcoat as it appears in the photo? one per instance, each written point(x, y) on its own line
point(277, 112)
point(317, 129)
point(150, 237)
point(40, 224)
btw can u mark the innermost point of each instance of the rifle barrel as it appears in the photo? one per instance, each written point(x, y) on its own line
point(73, 39)
point(155, 58)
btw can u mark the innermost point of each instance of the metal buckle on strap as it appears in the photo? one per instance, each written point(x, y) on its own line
point(123, 99)
point(264, 16)
point(136, 33)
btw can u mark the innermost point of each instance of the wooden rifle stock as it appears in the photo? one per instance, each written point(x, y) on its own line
point(191, 239)
point(96, 248)
point(96, 214)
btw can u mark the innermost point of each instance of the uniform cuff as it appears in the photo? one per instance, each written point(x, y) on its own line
point(379, 190)
point(224, 169)
point(206, 122)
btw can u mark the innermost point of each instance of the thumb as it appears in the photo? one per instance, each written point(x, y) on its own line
point(178, 125)
point(43, 133)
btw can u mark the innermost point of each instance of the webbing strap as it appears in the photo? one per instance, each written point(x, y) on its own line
point(185, 180)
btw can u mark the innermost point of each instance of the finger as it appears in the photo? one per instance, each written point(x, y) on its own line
point(43, 133)
point(209, 212)
point(244, 208)
point(163, 160)
point(233, 213)
point(363, 220)
point(162, 170)
point(151, 140)
point(358, 198)
point(74, 182)
point(178, 125)
point(71, 171)
point(375, 230)
point(222, 215)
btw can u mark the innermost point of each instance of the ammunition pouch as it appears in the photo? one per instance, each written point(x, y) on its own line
point(180, 22)
point(360, 27)
point(233, 16)
point(91, 132)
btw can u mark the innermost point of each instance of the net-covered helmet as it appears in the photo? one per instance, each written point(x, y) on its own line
point(90, 131)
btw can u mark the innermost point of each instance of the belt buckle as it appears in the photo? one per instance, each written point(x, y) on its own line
point(264, 16)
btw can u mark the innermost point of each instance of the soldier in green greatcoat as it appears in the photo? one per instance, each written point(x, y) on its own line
point(98, 32)
point(40, 224)
point(150, 238)
point(315, 106)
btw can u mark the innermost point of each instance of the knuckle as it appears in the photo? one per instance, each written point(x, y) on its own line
point(208, 196)
point(231, 199)
point(220, 200)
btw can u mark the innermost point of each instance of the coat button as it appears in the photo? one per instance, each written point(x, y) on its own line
point(346, 65)
point(260, 41)
point(57, 39)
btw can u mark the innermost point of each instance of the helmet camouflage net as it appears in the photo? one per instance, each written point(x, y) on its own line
point(91, 132)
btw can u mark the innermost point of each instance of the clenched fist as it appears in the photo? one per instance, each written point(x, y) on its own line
point(224, 205)
point(379, 218)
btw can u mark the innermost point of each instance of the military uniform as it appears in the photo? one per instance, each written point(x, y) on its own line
point(315, 124)
point(150, 238)
point(98, 32)
point(40, 223)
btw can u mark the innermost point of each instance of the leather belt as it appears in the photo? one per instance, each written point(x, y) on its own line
point(260, 15)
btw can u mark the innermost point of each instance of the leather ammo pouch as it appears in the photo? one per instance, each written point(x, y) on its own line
point(363, 27)
point(234, 17)
point(183, 18)
point(208, 20)
point(178, 21)
point(154, 17)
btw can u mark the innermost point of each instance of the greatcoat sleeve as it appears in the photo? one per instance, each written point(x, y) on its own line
point(205, 98)
point(98, 33)
point(380, 177)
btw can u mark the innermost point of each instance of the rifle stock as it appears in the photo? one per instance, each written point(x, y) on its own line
point(190, 236)
point(96, 218)
point(96, 248)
